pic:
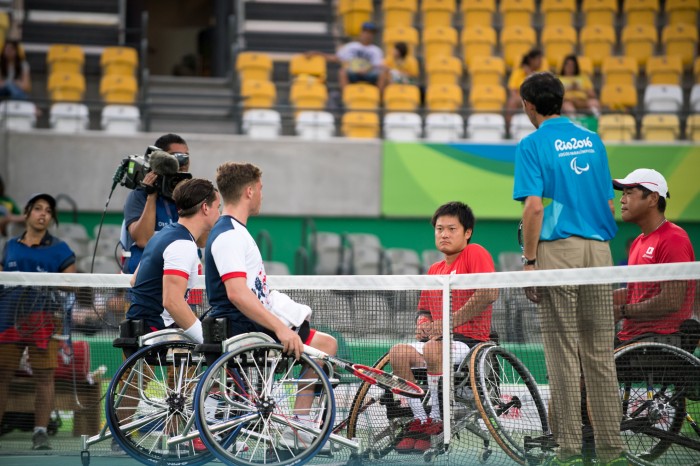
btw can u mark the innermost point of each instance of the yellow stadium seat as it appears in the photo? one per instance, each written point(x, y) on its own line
point(308, 66)
point(119, 60)
point(353, 14)
point(487, 98)
point(477, 12)
point(641, 11)
point(681, 39)
point(254, 66)
point(558, 42)
point(360, 125)
point(361, 96)
point(477, 41)
point(516, 41)
point(692, 129)
point(63, 58)
point(696, 70)
point(438, 12)
point(599, 12)
point(439, 41)
point(620, 70)
point(639, 42)
point(619, 97)
point(308, 95)
point(401, 98)
point(585, 64)
point(410, 65)
point(664, 70)
point(682, 11)
point(118, 89)
point(487, 70)
point(66, 87)
point(597, 42)
point(444, 70)
point(258, 94)
point(444, 98)
point(406, 34)
point(660, 127)
point(558, 12)
point(4, 20)
point(617, 127)
point(399, 12)
point(517, 12)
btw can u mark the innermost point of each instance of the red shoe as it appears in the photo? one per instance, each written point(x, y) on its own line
point(198, 445)
point(406, 445)
point(428, 430)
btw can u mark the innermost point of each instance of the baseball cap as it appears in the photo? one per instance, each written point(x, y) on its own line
point(47, 197)
point(369, 26)
point(646, 177)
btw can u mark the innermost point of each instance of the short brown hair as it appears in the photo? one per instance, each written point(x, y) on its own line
point(190, 194)
point(232, 178)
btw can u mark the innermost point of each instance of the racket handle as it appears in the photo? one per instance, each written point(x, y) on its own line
point(316, 353)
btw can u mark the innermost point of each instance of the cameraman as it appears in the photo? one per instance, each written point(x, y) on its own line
point(146, 210)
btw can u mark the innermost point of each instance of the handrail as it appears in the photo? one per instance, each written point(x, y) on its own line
point(122, 22)
point(71, 201)
point(301, 261)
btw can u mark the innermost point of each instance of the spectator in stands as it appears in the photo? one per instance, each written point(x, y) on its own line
point(568, 165)
point(9, 211)
point(652, 307)
point(579, 95)
point(14, 72)
point(453, 224)
point(399, 70)
point(530, 63)
point(32, 326)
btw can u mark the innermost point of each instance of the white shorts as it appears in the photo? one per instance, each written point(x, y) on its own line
point(460, 350)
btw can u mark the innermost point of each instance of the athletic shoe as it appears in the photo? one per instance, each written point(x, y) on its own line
point(619, 461)
point(417, 436)
point(40, 441)
point(430, 429)
point(198, 445)
point(571, 461)
point(409, 438)
point(297, 439)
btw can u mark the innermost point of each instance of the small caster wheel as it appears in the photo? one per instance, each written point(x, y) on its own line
point(485, 455)
point(85, 458)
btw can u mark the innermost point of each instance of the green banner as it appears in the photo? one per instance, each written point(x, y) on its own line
point(419, 177)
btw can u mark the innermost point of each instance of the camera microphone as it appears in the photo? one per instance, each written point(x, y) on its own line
point(163, 163)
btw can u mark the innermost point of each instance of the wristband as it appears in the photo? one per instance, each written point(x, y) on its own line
point(422, 320)
point(150, 189)
point(195, 332)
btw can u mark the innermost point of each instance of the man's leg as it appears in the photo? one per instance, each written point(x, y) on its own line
point(305, 398)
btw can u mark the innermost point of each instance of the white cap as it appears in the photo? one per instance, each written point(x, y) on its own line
point(646, 177)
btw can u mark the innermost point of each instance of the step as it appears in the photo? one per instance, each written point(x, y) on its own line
point(93, 6)
point(285, 27)
point(191, 126)
point(84, 34)
point(288, 11)
point(295, 43)
point(189, 81)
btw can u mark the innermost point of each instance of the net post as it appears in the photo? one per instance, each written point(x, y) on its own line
point(446, 359)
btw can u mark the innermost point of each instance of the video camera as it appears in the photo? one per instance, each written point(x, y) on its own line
point(134, 169)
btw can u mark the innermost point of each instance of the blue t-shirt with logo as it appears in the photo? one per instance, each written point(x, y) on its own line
point(567, 166)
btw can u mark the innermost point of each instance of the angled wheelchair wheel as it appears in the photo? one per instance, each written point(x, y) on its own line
point(149, 401)
point(507, 398)
point(246, 402)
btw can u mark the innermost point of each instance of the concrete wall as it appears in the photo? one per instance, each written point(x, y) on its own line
point(338, 178)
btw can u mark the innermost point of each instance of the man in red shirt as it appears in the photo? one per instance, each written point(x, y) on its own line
point(471, 319)
point(652, 307)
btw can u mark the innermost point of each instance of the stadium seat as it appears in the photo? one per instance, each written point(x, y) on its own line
point(253, 66)
point(477, 12)
point(444, 127)
point(17, 115)
point(599, 12)
point(444, 98)
point(303, 66)
point(66, 87)
point(660, 128)
point(439, 41)
point(597, 42)
point(486, 127)
point(487, 70)
point(682, 11)
point(516, 41)
point(487, 98)
point(360, 125)
point(102, 264)
point(258, 94)
point(619, 70)
point(402, 126)
point(585, 64)
point(558, 41)
point(693, 128)
point(437, 12)
point(639, 42)
point(696, 70)
point(308, 95)
point(63, 58)
point(401, 98)
point(361, 96)
point(402, 261)
point(410, 65)
point(558, 12)
point(681, 39)
point(663, 98)
point(640, 11)
point(618, 97)
point(477, 41)
point(617, 127)
point(353, 13)
point(695, 99)
point(406, 34)
point(444, 70)
point(315, 125)
point(517, 12)
point(119, 60)
point(664, 70)
point(520, 126)
point(120, 119)
point(118, 89)
point(262, 123)
point(68, 117)
point(399, 12)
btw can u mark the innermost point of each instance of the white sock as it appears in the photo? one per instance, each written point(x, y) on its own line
point(210, 405)
point(416, 405)
point(433, 381)
point(39, 429)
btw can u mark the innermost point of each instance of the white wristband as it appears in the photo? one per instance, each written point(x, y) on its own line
point(195, 332)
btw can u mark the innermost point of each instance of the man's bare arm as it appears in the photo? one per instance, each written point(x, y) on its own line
point(669, 300)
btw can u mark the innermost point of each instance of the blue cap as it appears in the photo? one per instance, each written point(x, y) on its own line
point(369, 26)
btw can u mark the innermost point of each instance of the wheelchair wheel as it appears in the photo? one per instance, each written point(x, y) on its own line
point(507, 399)
point(245, 407)
point(655, 379)
point(149, 400)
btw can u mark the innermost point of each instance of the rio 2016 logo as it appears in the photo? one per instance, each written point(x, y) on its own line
point(572, 144)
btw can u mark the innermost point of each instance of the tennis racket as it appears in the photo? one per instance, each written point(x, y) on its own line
point(520, 236)
point(371, 375)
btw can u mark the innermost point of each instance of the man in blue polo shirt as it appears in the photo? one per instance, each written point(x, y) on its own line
point(566, 167)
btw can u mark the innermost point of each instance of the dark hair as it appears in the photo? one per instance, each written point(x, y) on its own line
point(30, 205)
point(661, 205)
point(544, 91)
point(164, 142)
point(529, 56)
point(456, 209)
point(16, 64)
point(574, 58)
point(402, 48)
point(232, 178)
point(190, 194)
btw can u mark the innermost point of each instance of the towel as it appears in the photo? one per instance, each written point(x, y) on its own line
point(293, 314)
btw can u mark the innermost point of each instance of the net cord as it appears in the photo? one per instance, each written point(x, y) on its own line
point(446, 361)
